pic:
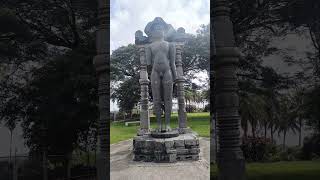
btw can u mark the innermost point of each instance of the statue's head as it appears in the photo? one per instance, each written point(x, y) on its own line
point(156, 28)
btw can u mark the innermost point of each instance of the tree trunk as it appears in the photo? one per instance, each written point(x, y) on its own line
point(253, 129)
point(95, 155)
point(284, 139)
point(300, 129)
point(10, 155)
point(88, 157)
point(265, 131)
point(15, 168)
point(271, 133)
point(245, 130)
point(68, 166)
point(44, 164)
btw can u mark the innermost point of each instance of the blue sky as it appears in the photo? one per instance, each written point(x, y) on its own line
point(128, 16)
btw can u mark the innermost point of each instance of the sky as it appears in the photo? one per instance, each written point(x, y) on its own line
point(128, 16)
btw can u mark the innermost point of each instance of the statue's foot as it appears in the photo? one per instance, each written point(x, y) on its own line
point(168, 129)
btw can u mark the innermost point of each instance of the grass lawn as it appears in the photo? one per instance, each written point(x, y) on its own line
point(199, 122)
point(291, 170)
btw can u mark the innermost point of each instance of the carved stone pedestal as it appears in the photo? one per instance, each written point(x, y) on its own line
point(182, 148)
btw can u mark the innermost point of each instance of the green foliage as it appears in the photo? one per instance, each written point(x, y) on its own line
point(257, 149)
point(128, 94)
point(57, 22)
point(63, 97)
point(124, 62)
point(196, 52)
point(312, 109)
point(191, 108)
point(311, 147)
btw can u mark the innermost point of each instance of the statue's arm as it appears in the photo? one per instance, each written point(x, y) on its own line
point(172, 56)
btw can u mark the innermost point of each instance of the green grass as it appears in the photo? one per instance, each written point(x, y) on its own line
point(291, 170)
point(198, 122)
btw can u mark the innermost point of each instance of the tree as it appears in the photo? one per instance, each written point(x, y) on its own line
point(124, 62)
point(128, 94)
point(63, 97)
point(196, 52)
point(301, 13)
point(253, 111)
point(312, 106)
point(287, 119)
point(298, 98)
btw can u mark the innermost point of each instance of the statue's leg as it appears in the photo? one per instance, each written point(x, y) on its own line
point(168, 88)
point(155, 86)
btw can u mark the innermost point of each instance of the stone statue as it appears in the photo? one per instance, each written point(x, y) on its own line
point(160, 55)
point(160, 52)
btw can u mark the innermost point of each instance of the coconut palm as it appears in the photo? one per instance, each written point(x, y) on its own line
point(298, 105)
point(272, 111)
point(253, 111)
point(288, 120)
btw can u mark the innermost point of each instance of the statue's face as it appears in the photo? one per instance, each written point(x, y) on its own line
point(158, 31)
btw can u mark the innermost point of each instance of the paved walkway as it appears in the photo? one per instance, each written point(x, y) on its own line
point(123, 168)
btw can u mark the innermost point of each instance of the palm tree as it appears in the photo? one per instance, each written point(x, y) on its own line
point(245, 113)
point(272, 111)
point(253, 110)
point(288, 119)
point(298, 105)
point(188, 97)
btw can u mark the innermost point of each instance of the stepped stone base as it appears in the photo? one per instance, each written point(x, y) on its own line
point(181, 148)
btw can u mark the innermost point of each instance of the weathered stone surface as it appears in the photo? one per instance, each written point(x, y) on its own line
point(168, 134)
point(168, 143)
point(179, 143)
point(194, 151)
point(182, 151)
point(181, 148)
point(191, 142)
point(188, 157)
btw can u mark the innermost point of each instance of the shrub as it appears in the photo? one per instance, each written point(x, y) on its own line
point(311, 147)
point(207, 108)
point(258, 149)
point(191, 108)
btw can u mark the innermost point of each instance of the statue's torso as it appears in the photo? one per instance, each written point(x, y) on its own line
point(160, 53)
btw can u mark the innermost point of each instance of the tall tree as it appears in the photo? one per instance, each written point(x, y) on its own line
point(288, 120)
point(63, 97)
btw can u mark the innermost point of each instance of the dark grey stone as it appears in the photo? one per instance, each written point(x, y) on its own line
point(194, 151)
point(168, 144)
point(191, 142)
point(168, 134)
point(179, 143)
point(182, 151)
point(181, 148)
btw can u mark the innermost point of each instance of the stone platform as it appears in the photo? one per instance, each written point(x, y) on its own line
point(181, 148)
point(122, 166)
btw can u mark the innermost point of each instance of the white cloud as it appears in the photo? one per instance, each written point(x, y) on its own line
point(128, 16)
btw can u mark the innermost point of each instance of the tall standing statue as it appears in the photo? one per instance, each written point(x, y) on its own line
point(160, 55)
point(160, 52)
